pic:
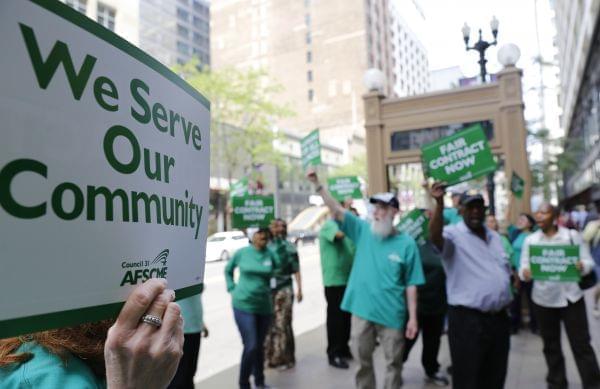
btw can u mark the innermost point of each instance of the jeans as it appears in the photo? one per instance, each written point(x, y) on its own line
point(574, 318)
point(338, 323)
point(253, 329)
point(366, 333)
point(479, 345)
point(184, 377)
point(431, 328)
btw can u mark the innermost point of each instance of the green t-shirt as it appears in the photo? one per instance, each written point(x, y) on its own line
point(451, 216)
point(508, 249)
point(191, 310)
point(382, 270)
point(336, 255)
point(252, 293)
point(517, 246)
point(287, 262)
point(47, 370)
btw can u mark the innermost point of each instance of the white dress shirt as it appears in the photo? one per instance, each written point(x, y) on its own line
point(555, 294)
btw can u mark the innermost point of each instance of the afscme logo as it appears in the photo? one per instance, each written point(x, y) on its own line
point(146, 269)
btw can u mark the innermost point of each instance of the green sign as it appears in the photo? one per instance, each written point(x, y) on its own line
point(415, 224)
point(517, 185)
point(253, 211)
point(311, 149)
point(342, 188)
point(554, 263)
point(104, 179)
point(459, 157)
point(240, 188)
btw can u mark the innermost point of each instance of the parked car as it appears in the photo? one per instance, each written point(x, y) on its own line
point(302, 236)
point(222, 245)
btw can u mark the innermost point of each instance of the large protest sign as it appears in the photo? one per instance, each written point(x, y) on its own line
point(253, 211)
point(342, 188)
point(517, 185)
point(459, 157)
point(415, 224)
point(554, 263)
point(311, 149)
point(104, 170)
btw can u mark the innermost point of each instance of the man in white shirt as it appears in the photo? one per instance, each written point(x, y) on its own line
point(557, 302)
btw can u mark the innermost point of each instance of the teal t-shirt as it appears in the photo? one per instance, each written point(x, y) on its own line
point(336, 255)
point(252, 293)
point(451, 216)
point(517, 246)
point(192, 312)
point(47, 370)
point(382, 270)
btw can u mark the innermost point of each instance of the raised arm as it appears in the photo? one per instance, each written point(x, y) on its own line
point(229, 268)
point(334, 206)
point(436, 224)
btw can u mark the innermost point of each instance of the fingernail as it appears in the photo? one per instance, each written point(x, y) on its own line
point(171, 294)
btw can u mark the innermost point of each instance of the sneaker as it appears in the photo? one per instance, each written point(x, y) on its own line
point(338, 362)
point(437, 379)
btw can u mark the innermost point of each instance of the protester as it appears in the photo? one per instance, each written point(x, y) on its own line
point(478, 289)
point(279, 344)
point(591, 235)
point(252, 303)
point(382, 285)
point(452, 215)
point(193, 330)
point(492, 223)
point(337, 254)
point(141, 349)
point(525, 225)
point(431, 313)
point(557, 302)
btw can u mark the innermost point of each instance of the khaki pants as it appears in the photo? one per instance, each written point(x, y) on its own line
point(364, 335)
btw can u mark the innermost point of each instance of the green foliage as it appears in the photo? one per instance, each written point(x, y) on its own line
point(245, 99)
point(357, 167)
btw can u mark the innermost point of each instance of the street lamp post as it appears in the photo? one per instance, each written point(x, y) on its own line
point(481, 46)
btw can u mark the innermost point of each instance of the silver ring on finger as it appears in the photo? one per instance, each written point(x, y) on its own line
point(152, 320)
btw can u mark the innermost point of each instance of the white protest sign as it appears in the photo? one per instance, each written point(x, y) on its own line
point(104, 170)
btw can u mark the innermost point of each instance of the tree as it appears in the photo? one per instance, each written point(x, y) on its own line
point(357, 167)
point(243, 110)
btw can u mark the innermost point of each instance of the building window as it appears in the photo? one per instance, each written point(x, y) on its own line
point(198, 39)
point(106, 16)
point(183, 48)
point(307, 19)
point(309, 76)
point(309, 56)
point(308, 38)
point(311, 95)
point(182, 14)
point(182, 31)
point(77, 5)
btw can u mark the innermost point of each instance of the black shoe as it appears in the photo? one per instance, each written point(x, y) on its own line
point(437, 379)
point(338, 362)
point(347, 356)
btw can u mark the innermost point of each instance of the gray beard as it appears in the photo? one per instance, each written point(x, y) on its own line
point(382, 228)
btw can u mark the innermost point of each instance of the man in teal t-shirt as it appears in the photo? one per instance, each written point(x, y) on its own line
point(337, 254)
point(382, 287)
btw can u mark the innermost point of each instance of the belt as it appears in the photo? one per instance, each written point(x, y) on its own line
point(500, 312)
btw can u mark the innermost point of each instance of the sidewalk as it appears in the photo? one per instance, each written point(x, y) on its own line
point(526, 370)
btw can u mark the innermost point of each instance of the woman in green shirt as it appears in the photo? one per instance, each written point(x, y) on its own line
point(252, 304)
point(525, 224)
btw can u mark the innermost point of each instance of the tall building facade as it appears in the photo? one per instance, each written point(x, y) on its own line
point(578, 40)
point(319, 51)
point(172, 31)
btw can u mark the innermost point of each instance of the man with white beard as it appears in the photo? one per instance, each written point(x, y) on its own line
point(382, 286)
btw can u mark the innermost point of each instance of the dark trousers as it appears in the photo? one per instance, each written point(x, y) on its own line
point(431, 327)
point(574, 318)
point(479, 345)
point(184, 377)
point(338, 323)
point(516, 308)
point(253, 329)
